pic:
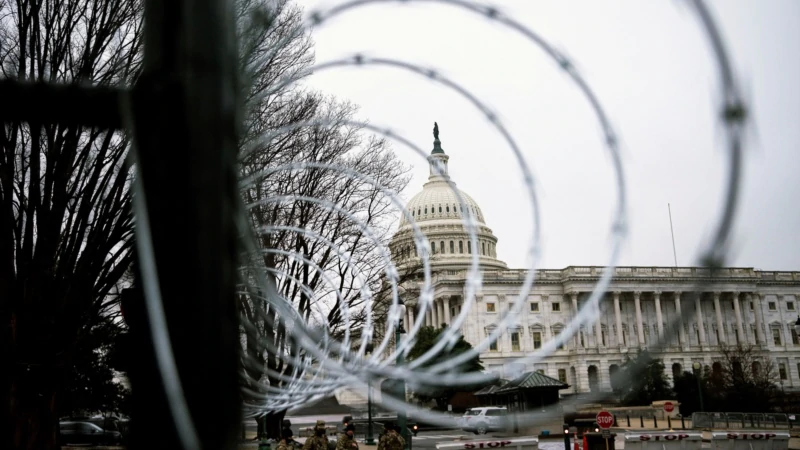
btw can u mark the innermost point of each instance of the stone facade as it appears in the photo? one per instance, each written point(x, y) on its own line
point(735, 306)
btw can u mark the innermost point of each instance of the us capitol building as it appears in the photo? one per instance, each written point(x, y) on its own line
point(737, 305)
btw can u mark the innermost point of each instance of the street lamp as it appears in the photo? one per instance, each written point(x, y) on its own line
point(399, 331)
point(696, 366)
point(370, 440)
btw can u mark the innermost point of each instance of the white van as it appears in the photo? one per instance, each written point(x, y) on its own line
point(484, 419)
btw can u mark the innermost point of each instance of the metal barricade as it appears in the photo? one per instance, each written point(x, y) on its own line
point(663, 440)
point(516, 443)
point(750, 440)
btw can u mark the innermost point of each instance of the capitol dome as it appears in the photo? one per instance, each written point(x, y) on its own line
point(441, 216)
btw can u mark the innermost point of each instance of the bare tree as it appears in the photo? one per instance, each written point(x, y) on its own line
point(65, 210)
point(745, 378)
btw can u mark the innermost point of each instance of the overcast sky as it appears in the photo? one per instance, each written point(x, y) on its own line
point(650, 66)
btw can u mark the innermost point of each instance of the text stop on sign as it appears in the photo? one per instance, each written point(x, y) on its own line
point(605, 419)
point(669, 407)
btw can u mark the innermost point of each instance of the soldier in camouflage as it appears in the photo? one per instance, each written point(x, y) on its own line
point(347, 440)
point(319, 441)
point(286, 443)
point(391, 439)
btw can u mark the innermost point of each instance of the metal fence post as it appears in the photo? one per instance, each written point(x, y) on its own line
point(185, 120)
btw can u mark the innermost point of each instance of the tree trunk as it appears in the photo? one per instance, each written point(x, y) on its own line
point(273, 424)
point(28, 398)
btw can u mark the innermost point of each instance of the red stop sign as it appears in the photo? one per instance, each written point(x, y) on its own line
point(669, 407)
point(605, 419)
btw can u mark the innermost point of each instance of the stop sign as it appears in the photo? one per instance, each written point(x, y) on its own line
point(669, 407)
point(605, 419)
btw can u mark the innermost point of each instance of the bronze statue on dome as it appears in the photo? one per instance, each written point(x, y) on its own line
point(435, 130)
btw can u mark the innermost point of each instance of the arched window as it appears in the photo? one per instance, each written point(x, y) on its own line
point(440, 208)
point(460, 246)
point(441, 245)
point(426, 210)
point(483, 248)
point(469, 247)
point(419, 212)
point(452, 247)
point(447, 208)
point(433, 248)
point(415, 251)
point(412, 213)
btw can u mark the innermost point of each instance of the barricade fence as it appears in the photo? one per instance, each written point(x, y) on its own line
point(738, 420)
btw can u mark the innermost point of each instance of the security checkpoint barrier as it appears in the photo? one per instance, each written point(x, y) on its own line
point(515, 443)
point(750, 440)
point(663, 440)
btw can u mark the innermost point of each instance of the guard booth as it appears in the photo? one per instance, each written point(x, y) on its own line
point(750, 440)
point(663, 440)
point(516, 443)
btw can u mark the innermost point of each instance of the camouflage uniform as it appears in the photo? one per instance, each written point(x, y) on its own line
point(283, 445)
point(317, 442)
point(346, 442)
point(391, 440)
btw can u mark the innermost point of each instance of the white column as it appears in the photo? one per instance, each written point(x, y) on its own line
point(738, 312)
point(577, 338)
point(598, 334)
point(429, 316)
point(446, 307)
point(618, 319)
point(659, 317)
point(720, 329)
point(435, 313)
point(759, 317)
point(410, 314)
point(682, 331)
point(700, 326)
point(639, 325)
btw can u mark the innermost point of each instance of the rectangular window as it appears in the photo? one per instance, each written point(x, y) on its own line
point(493, 346)
point(452, 247)
point(562, 375)
point(537, 339)
point(782, 370)
point(790, 306)
point(460, 246)
point(490, 307)
point(433, 248)
point(751, 306)
point(555, 335)
point(697, 334)
point(716, 332)
point(556, 306)
point(603, 337)
point(535, 307)
point(736, 332)
point(776, 336)
point(795, 340)
point(772, 306)
point(515, 342)
point(469, 247)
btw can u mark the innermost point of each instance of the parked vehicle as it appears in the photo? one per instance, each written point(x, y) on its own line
point(485, 418)
point(85, 432)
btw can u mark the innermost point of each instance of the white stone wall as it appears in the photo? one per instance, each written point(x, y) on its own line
point(774, 297)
